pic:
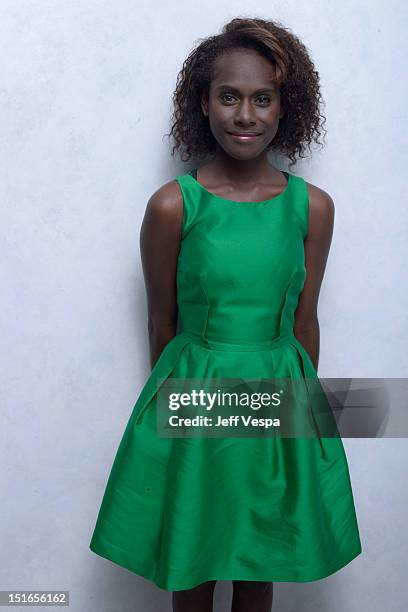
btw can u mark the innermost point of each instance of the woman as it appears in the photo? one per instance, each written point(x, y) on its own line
point(236, 251)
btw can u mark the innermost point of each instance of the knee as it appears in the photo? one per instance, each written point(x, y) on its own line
point(251, 585)
point(204, 587)
point(207, 586)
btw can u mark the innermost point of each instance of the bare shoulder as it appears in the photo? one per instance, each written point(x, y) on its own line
point(321, 211)
point(321, 203)
point(166, 203)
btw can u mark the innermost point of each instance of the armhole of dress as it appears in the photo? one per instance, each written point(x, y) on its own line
point(307, 210)
point(179, 181)
point(303, 206)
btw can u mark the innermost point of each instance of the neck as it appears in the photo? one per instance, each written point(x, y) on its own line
point(240, 171)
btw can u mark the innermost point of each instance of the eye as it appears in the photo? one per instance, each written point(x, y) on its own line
point(268, 99)
point(226, 95)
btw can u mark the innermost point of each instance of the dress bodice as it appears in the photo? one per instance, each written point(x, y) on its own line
point(241, 264)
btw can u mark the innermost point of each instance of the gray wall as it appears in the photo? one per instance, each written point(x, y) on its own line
point(85, 96)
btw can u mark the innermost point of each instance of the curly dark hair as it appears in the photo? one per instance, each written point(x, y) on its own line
point(296, 76)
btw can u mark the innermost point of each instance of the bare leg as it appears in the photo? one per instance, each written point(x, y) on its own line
point(251, 596)
point(197, 599)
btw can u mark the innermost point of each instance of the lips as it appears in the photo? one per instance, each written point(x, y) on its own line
point(243, 135)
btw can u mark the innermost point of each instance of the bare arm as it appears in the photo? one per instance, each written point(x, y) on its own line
point(317, 247)
point(159, 247)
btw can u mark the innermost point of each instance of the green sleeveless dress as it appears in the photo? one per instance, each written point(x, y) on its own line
point(182, 511)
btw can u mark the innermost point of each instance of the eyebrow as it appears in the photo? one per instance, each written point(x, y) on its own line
point(232, 88)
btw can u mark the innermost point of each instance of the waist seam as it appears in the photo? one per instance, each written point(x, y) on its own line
point(219, 345)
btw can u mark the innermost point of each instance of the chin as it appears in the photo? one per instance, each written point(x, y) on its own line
point(242, 155)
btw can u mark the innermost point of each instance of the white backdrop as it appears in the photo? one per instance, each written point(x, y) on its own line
point(85, 94)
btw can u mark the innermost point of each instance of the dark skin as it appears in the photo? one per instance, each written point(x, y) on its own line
point(242, 97)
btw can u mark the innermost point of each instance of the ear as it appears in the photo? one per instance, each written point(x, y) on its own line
point(282, 112)
point(204, 103)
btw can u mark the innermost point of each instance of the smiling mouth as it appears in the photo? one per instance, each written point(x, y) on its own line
point(241, 136)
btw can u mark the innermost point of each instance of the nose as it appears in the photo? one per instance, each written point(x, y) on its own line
point(245, 114)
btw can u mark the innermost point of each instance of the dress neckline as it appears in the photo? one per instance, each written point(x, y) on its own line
point(193, 176)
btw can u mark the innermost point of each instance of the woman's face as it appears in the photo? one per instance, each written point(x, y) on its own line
point(243, 99)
